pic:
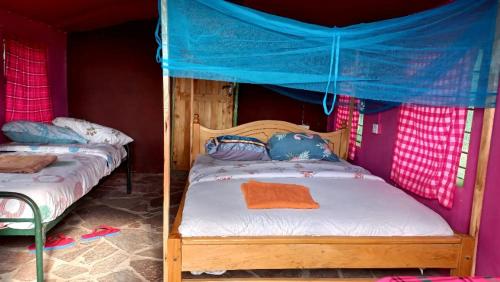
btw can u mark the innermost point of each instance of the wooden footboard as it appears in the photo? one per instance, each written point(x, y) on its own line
point(232, 253)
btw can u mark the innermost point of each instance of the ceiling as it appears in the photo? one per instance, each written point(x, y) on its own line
point(82, 15)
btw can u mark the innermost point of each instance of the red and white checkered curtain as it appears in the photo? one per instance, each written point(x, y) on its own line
point(427, 151)
point(342, 116)
point(27, 88)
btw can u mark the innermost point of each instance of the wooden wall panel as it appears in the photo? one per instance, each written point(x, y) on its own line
point(181, 120)
point(212, 101)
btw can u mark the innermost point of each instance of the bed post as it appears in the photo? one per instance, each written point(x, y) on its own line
point(480, 182)
point(484, 147)
point(129, 168)
point(348, 128)
point(166, 138)
point(346, 135)
point(192, 117)
point(465, 257)
point(174, 259)
point(195, 139)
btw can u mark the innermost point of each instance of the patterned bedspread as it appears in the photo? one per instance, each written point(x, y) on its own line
point(352, 202)
point(208, 169)
point(56, 187)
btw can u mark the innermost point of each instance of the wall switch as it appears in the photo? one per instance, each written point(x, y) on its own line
point(375, 128)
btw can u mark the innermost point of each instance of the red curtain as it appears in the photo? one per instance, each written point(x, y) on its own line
point(427, 151)
point(27, 94)
point(342, 116)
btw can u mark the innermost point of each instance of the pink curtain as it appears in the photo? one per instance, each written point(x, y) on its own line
point(27, 94)
point(427, 151)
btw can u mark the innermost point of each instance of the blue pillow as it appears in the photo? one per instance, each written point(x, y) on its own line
point(299, 146)
point(37, 132)
point(236, 148)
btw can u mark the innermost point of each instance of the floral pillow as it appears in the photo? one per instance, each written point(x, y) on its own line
point(42, 133)
point(93, 132)
point(299, 146)
point(237, 148)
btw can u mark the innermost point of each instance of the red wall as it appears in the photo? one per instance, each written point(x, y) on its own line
point(20, 28)
point(376, 154)
point(341, 13)
point(115, 81)
point(258, 103)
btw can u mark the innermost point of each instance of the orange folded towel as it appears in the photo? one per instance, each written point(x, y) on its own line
point(25, 163)
point(263, 195)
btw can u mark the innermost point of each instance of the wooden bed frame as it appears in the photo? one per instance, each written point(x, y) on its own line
point(456, 252)
point(279, 252)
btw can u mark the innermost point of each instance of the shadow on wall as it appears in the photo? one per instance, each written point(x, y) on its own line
point(114, 80)
point(258, 103)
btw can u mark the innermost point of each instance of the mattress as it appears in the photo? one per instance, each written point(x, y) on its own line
point(352, 202)
point(78, 168)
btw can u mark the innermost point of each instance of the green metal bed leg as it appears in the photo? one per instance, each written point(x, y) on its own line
point(39, 242)
point(39, 229)
point(129, 168)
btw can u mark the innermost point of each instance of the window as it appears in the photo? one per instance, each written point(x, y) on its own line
point(27, 94)
point(462, 167)
point(359, 131)
point(427, 151)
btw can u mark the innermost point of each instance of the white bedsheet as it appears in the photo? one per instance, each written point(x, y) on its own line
point(352, 202)
point(78, 168)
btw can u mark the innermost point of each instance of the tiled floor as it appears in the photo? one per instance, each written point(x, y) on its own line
point(133, 255)
point(136, 253)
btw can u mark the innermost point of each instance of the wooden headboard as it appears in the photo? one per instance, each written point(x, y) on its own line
point(263, 130)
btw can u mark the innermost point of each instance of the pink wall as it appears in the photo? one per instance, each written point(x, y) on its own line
point(489, 243)
point(20, 28)
point(376, 153)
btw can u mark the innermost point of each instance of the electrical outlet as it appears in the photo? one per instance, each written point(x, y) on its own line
point(375, 128)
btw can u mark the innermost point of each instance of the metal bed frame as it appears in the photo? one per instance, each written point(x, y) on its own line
point(41, 229)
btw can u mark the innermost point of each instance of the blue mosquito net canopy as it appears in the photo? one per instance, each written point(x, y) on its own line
point(439, 57)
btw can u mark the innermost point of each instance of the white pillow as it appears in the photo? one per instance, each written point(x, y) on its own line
point(94, 133)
